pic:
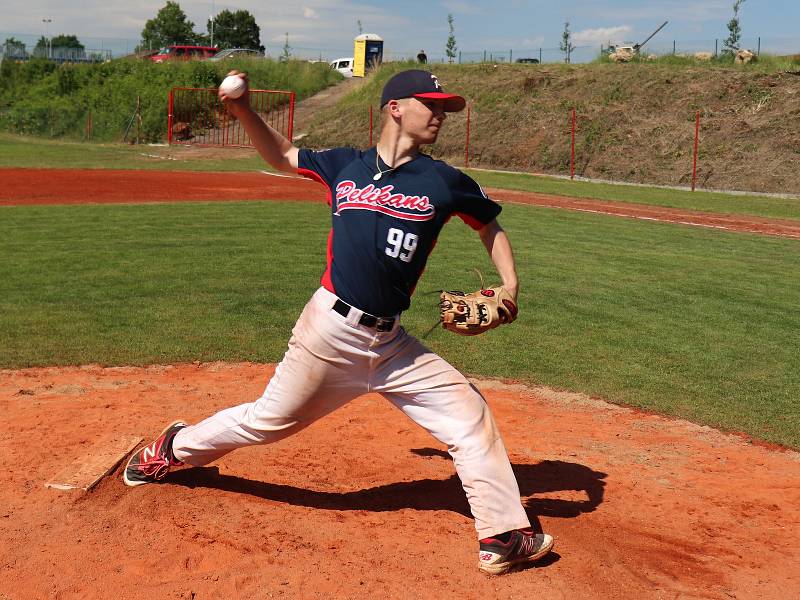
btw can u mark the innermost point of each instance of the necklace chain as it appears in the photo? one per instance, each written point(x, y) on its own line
point(380, 172)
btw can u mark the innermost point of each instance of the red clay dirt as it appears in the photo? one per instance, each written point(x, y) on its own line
point(364, 504)
point(101, 186)
point(71, 186)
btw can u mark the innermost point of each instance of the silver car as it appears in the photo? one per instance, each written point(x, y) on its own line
point(236, 53)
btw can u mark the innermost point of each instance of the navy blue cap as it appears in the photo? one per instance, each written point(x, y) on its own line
point(420, 84)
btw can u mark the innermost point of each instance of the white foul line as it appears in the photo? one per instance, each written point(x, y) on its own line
point(692, 223)
point(280, 175)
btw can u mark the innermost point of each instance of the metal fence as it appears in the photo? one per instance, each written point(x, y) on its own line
point(583, 54)
point(56, 54)
point(715, 47)
point(548, 52)
point(197, 117)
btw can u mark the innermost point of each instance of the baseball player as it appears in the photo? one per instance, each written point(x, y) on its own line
point(388, 204)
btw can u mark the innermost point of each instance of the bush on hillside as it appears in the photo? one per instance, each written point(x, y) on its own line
point(41, 98)
point(767, 63)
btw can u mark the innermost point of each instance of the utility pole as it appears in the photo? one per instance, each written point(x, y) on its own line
point(213, 10)
point(48, 46)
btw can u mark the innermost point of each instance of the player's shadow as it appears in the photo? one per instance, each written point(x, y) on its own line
point(581, 490)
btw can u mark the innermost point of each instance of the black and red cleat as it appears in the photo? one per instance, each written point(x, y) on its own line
point(496, 556)
point(153, 462)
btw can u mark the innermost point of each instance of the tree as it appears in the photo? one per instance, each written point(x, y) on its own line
point(14, 48)
point(66, 41)
point(170, 26)
point(42, 47)
point(450, 48)
point(566, 43)
point(50, 48)
point(287, 49)
point(731, 43)
point(236, 29)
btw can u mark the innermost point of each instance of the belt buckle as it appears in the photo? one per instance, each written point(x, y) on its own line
point(367, 320)
point(384, 324)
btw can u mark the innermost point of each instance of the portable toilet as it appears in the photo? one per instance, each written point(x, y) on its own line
point(367, 53)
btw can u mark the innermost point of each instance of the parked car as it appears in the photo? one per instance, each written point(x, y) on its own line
point(343, 65)
point(177, 52)
point(530, 61)
point(236, 53)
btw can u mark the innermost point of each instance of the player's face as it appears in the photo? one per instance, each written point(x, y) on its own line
point(423, 118)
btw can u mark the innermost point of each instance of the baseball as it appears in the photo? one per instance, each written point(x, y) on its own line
point(233, 86)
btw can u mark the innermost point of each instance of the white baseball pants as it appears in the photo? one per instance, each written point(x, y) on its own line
point(332, 360)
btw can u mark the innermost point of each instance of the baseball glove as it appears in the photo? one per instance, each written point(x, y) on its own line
point(472, 314)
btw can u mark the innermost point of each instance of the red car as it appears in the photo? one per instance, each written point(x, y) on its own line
point(176, 52)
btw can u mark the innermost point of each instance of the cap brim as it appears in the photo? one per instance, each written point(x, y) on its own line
point(452, 102)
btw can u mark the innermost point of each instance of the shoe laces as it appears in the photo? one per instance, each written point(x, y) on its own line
point(528, 544)
point(157, 469)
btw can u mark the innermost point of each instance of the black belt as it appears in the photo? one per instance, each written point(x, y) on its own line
point(367, 320)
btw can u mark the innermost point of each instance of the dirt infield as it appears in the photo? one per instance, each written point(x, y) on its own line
point(364, 504)
point(101, 186)
point(71, 186)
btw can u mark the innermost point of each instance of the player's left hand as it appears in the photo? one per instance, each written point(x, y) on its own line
point(472, 314)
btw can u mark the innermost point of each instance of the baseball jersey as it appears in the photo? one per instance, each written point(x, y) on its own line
point(383, 231)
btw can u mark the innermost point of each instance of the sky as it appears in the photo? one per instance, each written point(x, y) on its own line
point(501, 28)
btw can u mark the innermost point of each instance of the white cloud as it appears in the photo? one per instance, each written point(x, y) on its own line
point(680, 10)
point(310, 13)
point(601, 35)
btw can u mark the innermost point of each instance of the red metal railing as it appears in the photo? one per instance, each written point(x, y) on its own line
point(370, 126)
point(197, 117)
point(572, 147)
point(696, 144)
point(466, 142)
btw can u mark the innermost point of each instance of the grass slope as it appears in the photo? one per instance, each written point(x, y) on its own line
point(41, 98)
point(635, 122)
point(693, 323)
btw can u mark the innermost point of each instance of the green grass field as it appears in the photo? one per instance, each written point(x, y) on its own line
point(686, 321)
point(37, 153)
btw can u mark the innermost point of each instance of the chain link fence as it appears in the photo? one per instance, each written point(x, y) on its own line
point(14, 51)
point(107, 48)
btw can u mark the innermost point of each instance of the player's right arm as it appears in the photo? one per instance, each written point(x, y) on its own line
point(279, 152)
point(498, 246)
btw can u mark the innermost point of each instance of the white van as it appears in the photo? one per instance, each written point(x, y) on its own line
point(343, 65)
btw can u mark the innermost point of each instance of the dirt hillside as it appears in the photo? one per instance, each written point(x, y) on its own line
point(635, 122)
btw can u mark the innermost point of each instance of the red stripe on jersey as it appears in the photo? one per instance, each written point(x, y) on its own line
point(326, 280)
point(387, 211)
point(471, 221)
point(315, 177)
